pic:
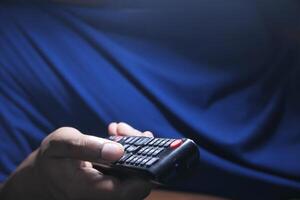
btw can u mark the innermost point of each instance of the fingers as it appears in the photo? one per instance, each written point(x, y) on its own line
point(95, 185)
point(112, 128)
point(70, 143)
point(98, 186)
point(124, 129)
point(148, 134)
point(75, 177)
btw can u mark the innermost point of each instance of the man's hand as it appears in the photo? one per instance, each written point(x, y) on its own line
point(124, 129)
point(61, 168)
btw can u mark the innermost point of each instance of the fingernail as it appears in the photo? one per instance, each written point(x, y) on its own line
point(112, 128)
point(112, 151)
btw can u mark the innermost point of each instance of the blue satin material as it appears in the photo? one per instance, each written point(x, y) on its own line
point(223, 73)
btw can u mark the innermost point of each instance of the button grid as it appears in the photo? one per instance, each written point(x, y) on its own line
point(141, 151)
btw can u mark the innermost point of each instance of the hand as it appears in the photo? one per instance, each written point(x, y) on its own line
point(124, 129)
point(61, 169)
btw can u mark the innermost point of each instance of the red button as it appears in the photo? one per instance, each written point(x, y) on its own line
point(176, 144)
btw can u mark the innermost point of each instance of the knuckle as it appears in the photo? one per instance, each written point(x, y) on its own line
point(137, 132)
point(78, 145)
point(111, 188)
point(120, 127)
point(66, 130)
point(61, 138)
point(148, 134)
point(122, 124)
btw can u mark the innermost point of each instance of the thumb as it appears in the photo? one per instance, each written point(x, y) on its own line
point(70, 143)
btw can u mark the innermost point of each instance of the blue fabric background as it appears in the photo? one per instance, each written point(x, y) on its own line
point(224, 73)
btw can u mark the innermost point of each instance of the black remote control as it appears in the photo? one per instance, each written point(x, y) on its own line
point(159, 159)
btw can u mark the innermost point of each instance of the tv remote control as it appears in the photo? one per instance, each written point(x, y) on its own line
point(159, 159)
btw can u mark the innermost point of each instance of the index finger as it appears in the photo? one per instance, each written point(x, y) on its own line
point(70, 143)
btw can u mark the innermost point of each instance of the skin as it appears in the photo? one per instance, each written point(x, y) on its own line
point(61, 168)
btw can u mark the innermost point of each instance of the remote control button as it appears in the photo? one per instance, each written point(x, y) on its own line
point(126, 146)
point(153, 141)
point(157, 151)
point(168, 143)
point(111, 137)
point(134, 140)
point(145, 161)
point(163, 142)
point(157, 142)
point(138, 161)
point(141, 141)
point(176, 143)
point(134, 160)
point(124, 139)
point(132, 149)
point(129, 159)
point(145, 152)
point(151, 162)
point(141, 150)
point(151, 151)
point(124, 157)
point(118, 138)
point(128, 140)
point(148, 141)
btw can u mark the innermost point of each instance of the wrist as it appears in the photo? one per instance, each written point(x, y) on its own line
point(23, 183)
